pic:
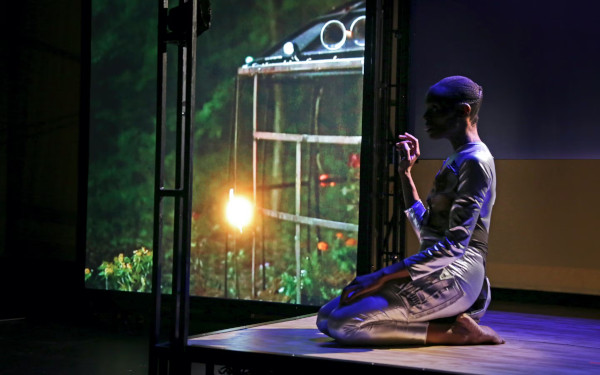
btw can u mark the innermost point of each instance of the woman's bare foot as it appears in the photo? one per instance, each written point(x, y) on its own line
point(474, 333)
point(464, 331)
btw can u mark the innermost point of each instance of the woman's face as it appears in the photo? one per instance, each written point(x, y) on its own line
point(440, 120)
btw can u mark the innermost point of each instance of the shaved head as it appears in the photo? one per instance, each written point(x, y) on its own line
point(455, 90)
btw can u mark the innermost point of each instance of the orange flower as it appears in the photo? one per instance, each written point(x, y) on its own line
point(351, 242)
point(323, 177)
point(323, 246)
point(339, 235)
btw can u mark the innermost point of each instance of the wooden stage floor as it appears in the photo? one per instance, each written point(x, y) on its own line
point(535, 344)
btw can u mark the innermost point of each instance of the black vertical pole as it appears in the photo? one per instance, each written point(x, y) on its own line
point(181, 270)
point(402, 34)
point(366, 258)
point(363, 256)
point(161, 103)
point(183, 31)
point(380, 190)
point(386, 86)
point(190, 101)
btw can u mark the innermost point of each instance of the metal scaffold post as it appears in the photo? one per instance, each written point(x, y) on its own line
point(179, 25)
point(385, 109)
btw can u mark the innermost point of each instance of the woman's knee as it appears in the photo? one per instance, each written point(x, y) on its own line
point(322, 321)
point(324, 313)
point(328, 308)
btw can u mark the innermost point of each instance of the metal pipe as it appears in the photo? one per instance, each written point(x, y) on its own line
point(297, 237)
point(254, 172)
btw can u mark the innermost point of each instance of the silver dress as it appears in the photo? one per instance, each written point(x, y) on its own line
point(447, 274)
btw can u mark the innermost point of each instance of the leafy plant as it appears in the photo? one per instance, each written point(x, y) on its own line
point(124, 273)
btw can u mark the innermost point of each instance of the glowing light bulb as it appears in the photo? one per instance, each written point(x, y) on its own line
point(288, 48)
point(239, 211)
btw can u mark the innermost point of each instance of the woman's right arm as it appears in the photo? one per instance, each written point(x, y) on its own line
point(365, 285)
point(409, 191)
point(414, 209)
point(408, 147)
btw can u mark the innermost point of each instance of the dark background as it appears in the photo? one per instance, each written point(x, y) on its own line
point(40, 128)
point(536, 61)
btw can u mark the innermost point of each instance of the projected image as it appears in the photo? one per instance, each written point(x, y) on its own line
point(121, 146)
point(276, 152)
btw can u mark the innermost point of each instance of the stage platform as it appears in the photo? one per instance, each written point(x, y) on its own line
point(535, 344)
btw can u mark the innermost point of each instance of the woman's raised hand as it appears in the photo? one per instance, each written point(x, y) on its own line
point(408, 148)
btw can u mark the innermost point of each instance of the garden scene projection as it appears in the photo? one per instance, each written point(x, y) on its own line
point(276, 123)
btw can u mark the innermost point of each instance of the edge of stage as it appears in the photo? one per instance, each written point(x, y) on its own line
point(549, 339)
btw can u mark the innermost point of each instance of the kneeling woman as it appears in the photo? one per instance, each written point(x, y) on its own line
point(406, 303)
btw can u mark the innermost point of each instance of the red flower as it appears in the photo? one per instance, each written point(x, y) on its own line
point(354, 160)
point(323, 246)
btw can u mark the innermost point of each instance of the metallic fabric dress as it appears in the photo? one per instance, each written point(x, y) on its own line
point(447, 274)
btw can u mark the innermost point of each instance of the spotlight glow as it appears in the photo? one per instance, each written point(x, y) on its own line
point(239, 211)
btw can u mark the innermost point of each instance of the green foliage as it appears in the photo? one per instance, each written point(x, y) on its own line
point(122, 118)
point(324, 272)
point(124, 273)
